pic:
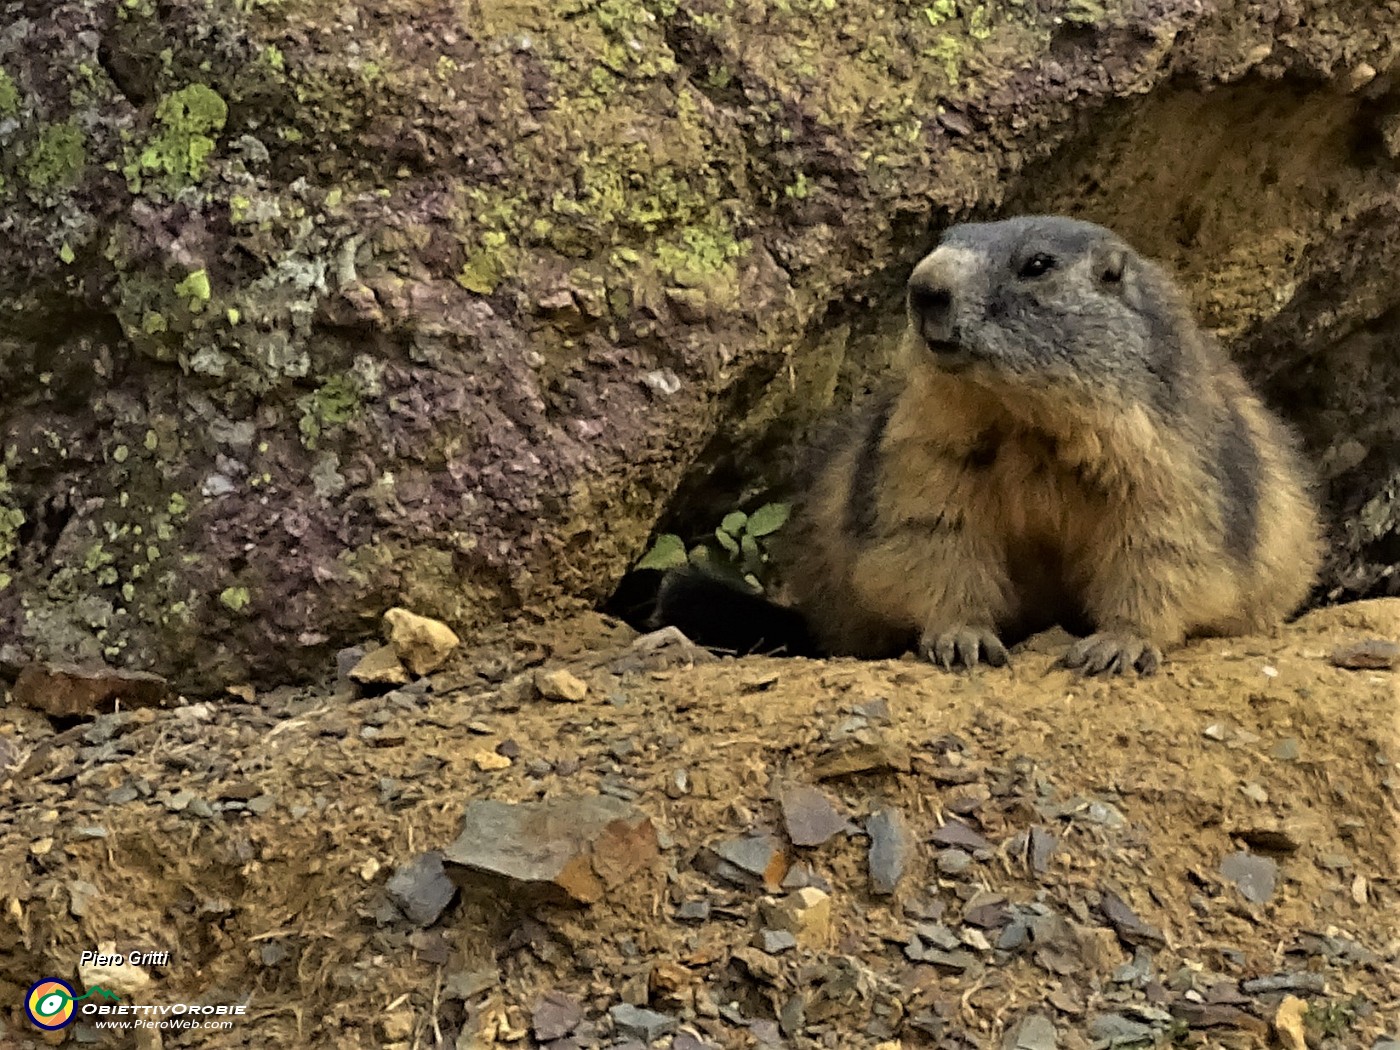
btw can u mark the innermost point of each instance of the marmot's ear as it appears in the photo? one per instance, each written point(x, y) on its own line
point(1111, 264)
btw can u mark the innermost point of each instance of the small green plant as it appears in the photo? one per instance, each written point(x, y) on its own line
point(737, 548)
point(1332, 1019)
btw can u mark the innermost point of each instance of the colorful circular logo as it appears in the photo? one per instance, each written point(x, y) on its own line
point(49, 1004)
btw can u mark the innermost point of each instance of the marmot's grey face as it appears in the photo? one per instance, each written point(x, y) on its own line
point(1051, 300)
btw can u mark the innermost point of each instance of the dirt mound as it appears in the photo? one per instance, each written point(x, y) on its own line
point(1055, 861)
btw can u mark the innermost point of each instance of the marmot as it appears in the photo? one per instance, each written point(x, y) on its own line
point(1062, 445)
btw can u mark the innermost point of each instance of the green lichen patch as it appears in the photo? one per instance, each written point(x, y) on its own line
point(11, 519)
point(695, 253)
point(194, 289)
point(235, 599)
point(56, 159)
point(336, 402)
point(9, 95)
point(189, 122)
point(488, 264)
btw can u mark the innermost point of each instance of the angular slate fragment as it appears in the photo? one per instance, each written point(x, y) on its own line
point(956, 833)
point(1126, 924)
point(572, 848)
point(808, 815)
point(1372, 654)
point(1304, 981)
point(750, 861)
point(1218, 1015)
point(861, 757)
point(775, 941)
point(1042, 847)
point(891, 847)
point(1255, 877)
point(555, 1016)
point(643, 1024)
point(1115, 1029)
point(1035, 1032)
point(422, 889)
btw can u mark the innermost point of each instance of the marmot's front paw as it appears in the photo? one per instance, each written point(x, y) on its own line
point(961, 646)
point(1114, 653)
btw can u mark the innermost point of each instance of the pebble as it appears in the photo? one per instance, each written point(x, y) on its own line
point(1304, 981)
point(1372, 654)
point(555, 1016)
point(1128, 926)
point(957, 834)
point(422, 889)
point(1033, 1033)
point(774, 941)
point(262, 804)
point(953, 861)
point(806, 914)
point(560, 685)
point(490, 760)
point(80, 893)
point(1287, 749)
point(1254, 792)
point(861, 757)
point(1115, 1028)
point(421, 643)
point(938, 935)
point(1043, 845)
point(643, 1024)
point(748, 860)
point(693, 911)
point(891, 847)
point(379, 667)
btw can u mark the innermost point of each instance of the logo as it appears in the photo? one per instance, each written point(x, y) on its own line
point(50, 1002)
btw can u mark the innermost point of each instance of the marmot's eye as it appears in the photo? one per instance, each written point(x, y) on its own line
point(1037, 265)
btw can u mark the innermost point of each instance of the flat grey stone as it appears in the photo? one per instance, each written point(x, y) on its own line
point(809, 816)
point(1254, 876)
point(890, 849)
point(643, 1024)
point(1033, 1033)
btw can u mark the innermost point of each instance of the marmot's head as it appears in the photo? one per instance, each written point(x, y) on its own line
point(1049, 303)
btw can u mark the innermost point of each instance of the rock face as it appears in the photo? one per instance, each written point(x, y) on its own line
point(310, 311)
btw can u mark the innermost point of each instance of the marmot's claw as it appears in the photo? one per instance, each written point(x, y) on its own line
point(962, 646)
point(1112, 653)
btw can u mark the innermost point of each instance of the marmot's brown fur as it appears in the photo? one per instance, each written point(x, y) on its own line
point(1063, 445)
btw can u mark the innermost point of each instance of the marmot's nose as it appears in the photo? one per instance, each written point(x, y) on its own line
point(933, 289)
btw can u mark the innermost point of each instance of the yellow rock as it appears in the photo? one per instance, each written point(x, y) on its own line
point(1288, 1023)
point(561, 685)
point(805, 914)
point(422, 644)
point(490, 760)
point(381, 667)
